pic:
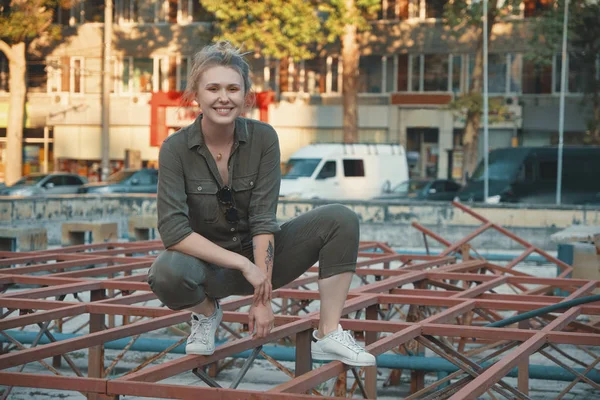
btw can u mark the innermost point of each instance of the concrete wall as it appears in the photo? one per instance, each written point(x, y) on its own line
point(385, 222)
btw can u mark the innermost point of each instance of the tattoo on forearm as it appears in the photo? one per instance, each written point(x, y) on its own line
point(269, 258)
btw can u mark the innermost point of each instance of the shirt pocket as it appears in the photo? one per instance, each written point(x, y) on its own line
point(242, 188)
point(202, 201)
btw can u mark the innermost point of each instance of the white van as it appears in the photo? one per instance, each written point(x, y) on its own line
point(339, 171)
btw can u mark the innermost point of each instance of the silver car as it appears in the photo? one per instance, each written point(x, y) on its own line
point(44, 184)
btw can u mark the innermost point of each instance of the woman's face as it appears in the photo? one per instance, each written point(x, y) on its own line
point(221, 94)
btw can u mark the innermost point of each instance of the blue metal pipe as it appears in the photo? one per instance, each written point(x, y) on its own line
point(488, 256)
point(280, 353)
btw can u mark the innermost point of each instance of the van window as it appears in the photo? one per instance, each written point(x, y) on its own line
point(328, 170)
point(354, 168)
point(527, 171)
point(501, 170)
point(548, 170)
point(301, 167)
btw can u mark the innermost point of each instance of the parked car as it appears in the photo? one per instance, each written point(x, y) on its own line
point(125, 181)
point(529, 175)
point(422, 189)
point(338, 171)
point(40, 184)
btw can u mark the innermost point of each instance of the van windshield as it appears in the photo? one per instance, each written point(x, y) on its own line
point(300, 168)
point(499, 170)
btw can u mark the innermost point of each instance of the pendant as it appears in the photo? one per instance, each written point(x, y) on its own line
point(219, 156)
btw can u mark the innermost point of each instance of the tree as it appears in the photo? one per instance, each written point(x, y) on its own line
point(462, 16)
point(583, 50)
point(296, 28)
point(22, 22)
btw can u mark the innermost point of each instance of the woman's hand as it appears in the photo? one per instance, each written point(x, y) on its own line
point(260, 281)
point(261, 317)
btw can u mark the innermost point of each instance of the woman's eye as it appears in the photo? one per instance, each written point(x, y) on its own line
point(234, 89)
point(212, 89)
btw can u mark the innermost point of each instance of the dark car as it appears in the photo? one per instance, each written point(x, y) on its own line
point(423, 189)
point(125, 181)
point(529, 175)
point(41, 184)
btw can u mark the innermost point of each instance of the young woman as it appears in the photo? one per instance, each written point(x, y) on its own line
point(217, 199)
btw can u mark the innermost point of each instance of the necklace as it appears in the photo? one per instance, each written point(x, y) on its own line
point(219, 156)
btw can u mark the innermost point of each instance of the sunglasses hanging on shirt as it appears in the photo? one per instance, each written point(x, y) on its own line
point(225, 197)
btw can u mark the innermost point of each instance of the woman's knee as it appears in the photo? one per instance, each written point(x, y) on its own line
point(344, 218)
point(177, 279)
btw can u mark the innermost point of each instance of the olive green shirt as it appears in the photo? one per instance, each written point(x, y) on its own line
point(188, 181)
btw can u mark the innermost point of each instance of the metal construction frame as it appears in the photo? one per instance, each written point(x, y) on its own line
point(407, 305)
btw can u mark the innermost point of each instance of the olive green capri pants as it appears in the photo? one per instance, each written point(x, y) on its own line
point(327, 234)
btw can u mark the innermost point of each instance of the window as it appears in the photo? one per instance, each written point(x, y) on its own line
point(184, 65)
point(73, 180)
point(354, 168)
point(370, 74)
point(76, 82)
point(403, 60)
point(435, 73)
point(497, 71)
point(328, 170)
point(301, 167)
point(393, 9)
point(457, 81)
point(144, 178)
point(54, 181)
point(62, 14)
point(36, 75)
point(434, 8)
point(94, 10)
point(137, 74)
point(548, 170)
point(515, 67)
point(536, 78)
point(3, 73)
point(390, 77)
point(315, 74)
point(429, 72)
point(54, 74)
point(576, 75)
point(535, 8)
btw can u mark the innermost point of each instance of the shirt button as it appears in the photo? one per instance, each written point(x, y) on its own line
point(251, 183)
point(235, 239)
point(199, 188)
point(233, 230)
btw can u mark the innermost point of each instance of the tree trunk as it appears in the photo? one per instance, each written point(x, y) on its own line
point(16, 112)
point(350, 58)
point(473, 120)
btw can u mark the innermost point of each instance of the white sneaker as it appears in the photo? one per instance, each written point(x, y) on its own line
point(340, 345)
point(202, 335)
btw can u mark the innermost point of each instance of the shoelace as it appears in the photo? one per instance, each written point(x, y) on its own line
point(346, 338)
point(203, 329)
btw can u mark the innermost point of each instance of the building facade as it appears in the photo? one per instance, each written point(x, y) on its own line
point(411, 67)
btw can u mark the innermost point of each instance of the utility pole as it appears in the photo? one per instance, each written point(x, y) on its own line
point(106, 82)
point(561, 111)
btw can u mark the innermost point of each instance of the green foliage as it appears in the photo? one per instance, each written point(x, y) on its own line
point(468, 13)
point(276, 28)
point(26, 20)
point(336, 16)
point(473, 103)
point(286, 28)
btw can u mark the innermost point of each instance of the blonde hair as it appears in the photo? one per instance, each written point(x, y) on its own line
point(221, 53)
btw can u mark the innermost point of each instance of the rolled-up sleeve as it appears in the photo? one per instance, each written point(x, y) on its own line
point(265, 195)
point(171, 199)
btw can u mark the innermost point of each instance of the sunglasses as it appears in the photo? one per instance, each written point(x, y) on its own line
point(225, 197)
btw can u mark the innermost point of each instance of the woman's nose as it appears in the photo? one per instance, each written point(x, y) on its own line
point(223, 96)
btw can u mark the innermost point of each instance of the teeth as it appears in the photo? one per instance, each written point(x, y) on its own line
point(222, 110)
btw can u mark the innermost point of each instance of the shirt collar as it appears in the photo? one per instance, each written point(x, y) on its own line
point(196, 137)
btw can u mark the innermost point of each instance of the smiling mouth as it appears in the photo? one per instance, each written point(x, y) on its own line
point(223, 111)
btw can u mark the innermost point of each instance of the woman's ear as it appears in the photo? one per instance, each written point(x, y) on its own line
point(250, 100)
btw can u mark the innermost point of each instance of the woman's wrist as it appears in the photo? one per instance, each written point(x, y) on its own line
point(242, 264)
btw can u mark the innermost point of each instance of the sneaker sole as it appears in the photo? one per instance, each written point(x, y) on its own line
point(199, 353)
point(318, 356)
